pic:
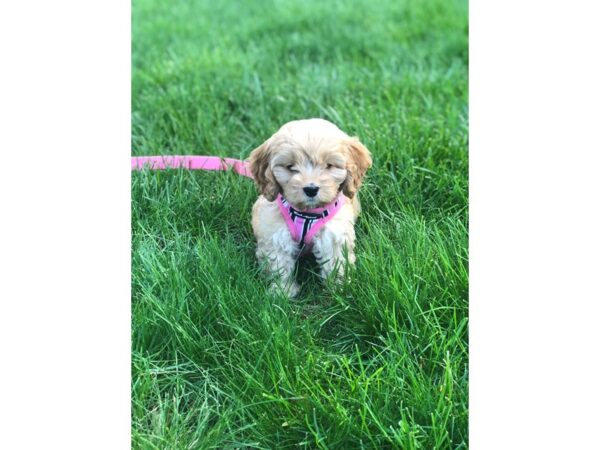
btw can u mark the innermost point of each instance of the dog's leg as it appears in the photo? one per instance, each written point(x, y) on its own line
point(278, 254)
point(332, 249)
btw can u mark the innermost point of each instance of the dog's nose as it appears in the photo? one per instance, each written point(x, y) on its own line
point(311, 190)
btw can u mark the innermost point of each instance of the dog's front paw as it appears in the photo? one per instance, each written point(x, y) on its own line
point(336, 278)
point(288, 289)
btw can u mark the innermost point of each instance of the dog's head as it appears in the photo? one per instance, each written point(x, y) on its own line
point(309, 162)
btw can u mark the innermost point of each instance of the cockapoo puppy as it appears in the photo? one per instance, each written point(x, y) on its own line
point(308, 173)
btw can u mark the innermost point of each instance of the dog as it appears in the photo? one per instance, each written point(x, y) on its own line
point(308, 173)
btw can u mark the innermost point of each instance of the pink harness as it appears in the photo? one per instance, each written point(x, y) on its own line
point(303, 225)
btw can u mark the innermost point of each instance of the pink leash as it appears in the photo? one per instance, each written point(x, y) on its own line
point(190, 162)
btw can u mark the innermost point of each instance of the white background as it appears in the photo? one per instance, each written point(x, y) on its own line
point(65, 224)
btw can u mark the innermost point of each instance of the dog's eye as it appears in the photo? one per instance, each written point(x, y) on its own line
point(291, 168)
point(330, 166)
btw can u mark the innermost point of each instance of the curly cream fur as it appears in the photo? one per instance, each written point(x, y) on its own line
point(306, 152)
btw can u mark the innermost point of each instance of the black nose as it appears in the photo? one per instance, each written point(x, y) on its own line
point(311, 191)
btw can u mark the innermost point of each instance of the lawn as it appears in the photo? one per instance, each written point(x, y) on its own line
point(381, 362)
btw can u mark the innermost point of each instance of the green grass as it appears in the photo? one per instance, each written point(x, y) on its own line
point(217, 361)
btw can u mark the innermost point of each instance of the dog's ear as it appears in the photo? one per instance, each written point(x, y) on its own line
point(261, 171)
point(359, 161)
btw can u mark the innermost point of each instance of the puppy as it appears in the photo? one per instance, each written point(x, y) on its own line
point(308, 173)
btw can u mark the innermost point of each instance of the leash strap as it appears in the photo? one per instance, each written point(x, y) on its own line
point(190, 162)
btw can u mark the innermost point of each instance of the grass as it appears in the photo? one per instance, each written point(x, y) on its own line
point(217, 361)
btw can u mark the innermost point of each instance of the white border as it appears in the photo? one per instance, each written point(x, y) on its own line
point(534, 228)
point(65, 133)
